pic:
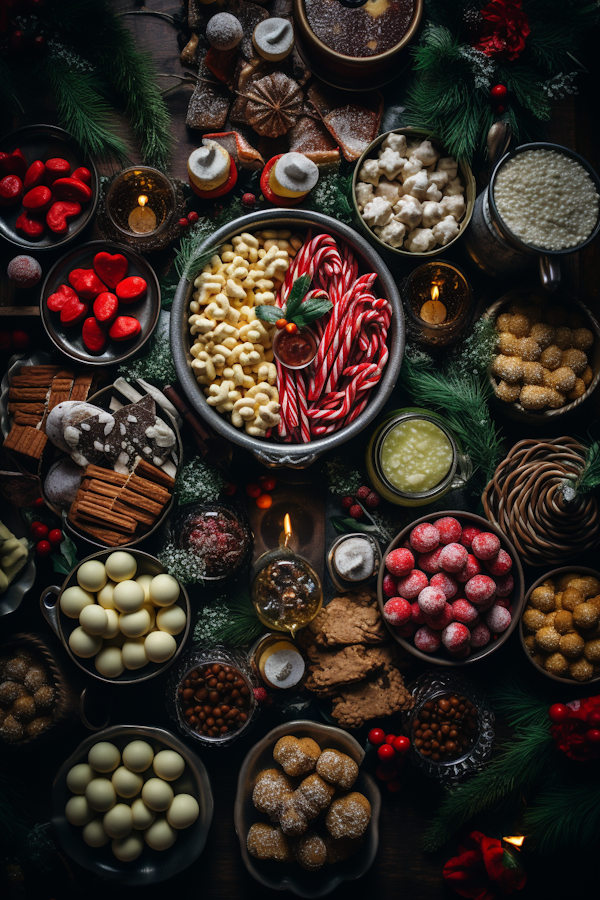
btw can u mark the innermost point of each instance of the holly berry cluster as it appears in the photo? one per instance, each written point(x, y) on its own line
point(47, 540)
point(559, 713)
point(20, 29)
point(368, 496)
point(391, 751)
point(191, 219)
point(261, 491)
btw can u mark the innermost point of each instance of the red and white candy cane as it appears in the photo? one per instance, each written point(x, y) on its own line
point(302, 406)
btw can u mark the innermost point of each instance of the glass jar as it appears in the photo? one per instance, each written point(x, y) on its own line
point(140, 202)
point(295, 351)
point(218, 534)
point(437, 297)
point(277, 662)
point(436, 434)
point(286, 592)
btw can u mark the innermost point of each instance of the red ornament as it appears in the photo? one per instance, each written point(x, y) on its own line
point(558, 712)
point(291, 328)
point(593, 719)
point(355, 511)
point(386, 753)
point(253, 490)
point(38, 503)
point(248, 200)
point(280, 323)
point(505, 29)
point(484, 869)
point(55, 537)
point(192, 216)
point(499, 92)
point(376, 736)
point(347, 502)
point(43, 548)
point(401, 744)
point(593, 736)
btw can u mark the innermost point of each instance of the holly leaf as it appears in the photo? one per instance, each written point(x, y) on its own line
point(297, 295)
point(311, 310)
point(269, 314)
point(67, 558)
point(347, 526)
point(59, 564)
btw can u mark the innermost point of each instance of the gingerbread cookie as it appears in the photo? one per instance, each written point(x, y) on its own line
point(378, 697)
point(333, 667)
point(337, 768)
point(351, 619)
point(272, 789)
point(310, 851)
point(348, 816)
point(268, 842)
point(296, 756)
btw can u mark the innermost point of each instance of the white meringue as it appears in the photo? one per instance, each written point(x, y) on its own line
point(391, 163)
point(364, 193)
point(417, 184)
point(370, 172)
point(427, 153)
point(453, 187)
point(395, 142)
point(454, 205)
point(377, 212)
point(446, 230)
point(388, 190)
point(449, 165)
point(420, 240)
point(432, 213)
point(409, 211)
point(392, 233)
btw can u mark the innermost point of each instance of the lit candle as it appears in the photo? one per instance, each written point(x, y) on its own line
point(437, 297)
point(433, 311)
point(142, 219)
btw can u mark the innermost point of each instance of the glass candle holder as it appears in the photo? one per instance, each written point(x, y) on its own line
point(437, 297)
point(286, 592)
point(277, 662)
point(218, 534)
point(140, 204)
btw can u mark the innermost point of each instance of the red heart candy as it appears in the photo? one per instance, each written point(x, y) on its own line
point(35, 175)
point(38, 199)
point(13, 163)
point(124, 328)
point(30, 226)
point(94, 337)
point(111, 269)
point(11, 190)
point(57, 300)
point(82, 174)
point(56, 168)
point(71, 189)
point(106, 306)
point(73, 312)
point(74, 275)
point(59, 213)
point(88, 285)
point(131, 289)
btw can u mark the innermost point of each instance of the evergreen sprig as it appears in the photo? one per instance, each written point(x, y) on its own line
point(589, 480)
point(233, 621)
point(297, 310)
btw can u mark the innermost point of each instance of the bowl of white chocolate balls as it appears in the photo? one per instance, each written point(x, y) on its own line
point(410, 196)
point(132, 804)
point(120, 616)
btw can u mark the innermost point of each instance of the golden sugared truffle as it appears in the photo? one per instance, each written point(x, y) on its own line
point(595, 600)
point(542, 598)
point(551, 357)
point(508, 368)
point(509, 393)
point(581, 669)
point(535, 396)
point(571, 598)
point(583, 338)
point(533, 619)
point(556, 663)
point(508, 344)
point(578, 391)
point(517, 324)
point(561, 379)
point(587, 585)
point(563, 337)
point(574, 359)
point(558, 599)
point(571, 645)
point(556, 315)
point(548, 639)
point(563, 621)
point(587, 376)
point(528, 349)
point(542, 334)
point(586, 615)
point(530, 644)
point(533, 372)
point(565, 580)
point(591, 651)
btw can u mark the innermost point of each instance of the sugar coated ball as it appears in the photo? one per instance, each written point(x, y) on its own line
point(105, 595)
point(504, 585)
point(468, 534)
point(416, 614)
point(142, 816)
point(104, 757)
point(78, 811)
point(135, 624)
point(571, 645)
point(94, 619)
point(471, 568)
point(480, 636)
point(145, 581)
point(183, 811)
point(441, 620)
point(556, 663)
point(118, 821)
point(424, 537)
point(168, 765)
point(581, 670)
point(397, 611)
point(430, 562)
point(485, 545)
point(171, 619)
point(498, 618)
point(591, 651)
point(445, 583)
point(94, 834)
point(501, 565)
point(389, 586)
point(449, 528)
point(25, 271)
point(83, 644)
point(91, 575)
point(100, 794)
point(79, 777)
point(533, 619)
point(464, 612)
point(454, 557)
point(128, 848)
point(432, 601)
point(121, 566)
point(138, 755)
point(548, 639)
point(73, 600)
point(412, 584)
point(480, 588)
point(586, 615)
point(427, 640)
point(134, 655)
point(542, 597)
point(164, 590)
point(157, 794)
point(455, 636)
point(563, 621)
point(400, 562)
point(224, 31)
point(109, 662)
point(160, 835)
point(159, 646)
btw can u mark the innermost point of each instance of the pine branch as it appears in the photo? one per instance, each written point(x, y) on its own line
point(522, 708)
point(189, 260)
point(565, 816)
point(242, 624)
point(589, 480)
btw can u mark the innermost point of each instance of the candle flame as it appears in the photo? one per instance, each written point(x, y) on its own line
point(435, 292)
point(142, 200)
point(287, 528)
point(515, 840)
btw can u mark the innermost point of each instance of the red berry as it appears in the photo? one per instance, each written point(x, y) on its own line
point(347, 502)
point(268, 482)
point(593, 736)
point(500, 110)
point(192, 216)
point(393, 786)
point(43, 548)
point(386, 773)
point(499, 92)
point(386, 753)
point(558, 712)
point(253, 490)
point(397, 611)
point(261, 696)
point(389, 586)
point(372, 500)
point(21, 340)
point(291, 328)
point(355, 511)
point(376, 736)
point(401, 744)
point(38, 503)
point(389, 739)
point(39, 531)
point(264, 501)
point(400, 562)
point(183, 222)
point(229, 490)
point(593, 718)
point(248, 200)
point(55, 537)
point(363, 492)
point(39, 43)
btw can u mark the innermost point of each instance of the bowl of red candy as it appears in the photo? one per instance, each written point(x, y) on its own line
point(451, 589)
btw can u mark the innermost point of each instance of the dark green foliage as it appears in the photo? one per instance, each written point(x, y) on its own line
point(589, 480)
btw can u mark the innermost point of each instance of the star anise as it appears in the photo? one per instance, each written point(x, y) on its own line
point(274, 104)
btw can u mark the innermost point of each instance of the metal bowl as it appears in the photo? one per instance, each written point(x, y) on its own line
point(271, 453)
point(518, 592)
point(283, 877)
point(151, 866)
point(69, 340)
point(555, 573)
point(63, 626)
point(45, 142)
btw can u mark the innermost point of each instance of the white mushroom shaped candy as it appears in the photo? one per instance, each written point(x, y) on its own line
point(432, 214)
point(427, 153)
point(417, 185)
point(409, 211)
point(446, 230)
point(411, 167)
point(389, 190)
point(209, 165)
point(449, 165)
point(453, 187)
point(364, 194)
point(392, 233)
point(377, 212)
point(420, 240)
point(294, 174)
point(454, 206)
point(370, 171)
point(391, 163)
point(274, 38)
point(396, 142)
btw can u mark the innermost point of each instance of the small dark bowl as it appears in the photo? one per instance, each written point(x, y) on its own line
point(151, 866)
point(45, 142)
point(146, 310)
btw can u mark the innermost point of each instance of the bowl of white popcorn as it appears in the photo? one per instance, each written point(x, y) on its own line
point(410, 195)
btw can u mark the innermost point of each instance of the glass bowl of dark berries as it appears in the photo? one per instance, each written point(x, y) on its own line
point(211, 696)
point(217, 535)
point(450, 726)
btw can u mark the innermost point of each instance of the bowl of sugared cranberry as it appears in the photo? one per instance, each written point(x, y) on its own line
point(451, 589)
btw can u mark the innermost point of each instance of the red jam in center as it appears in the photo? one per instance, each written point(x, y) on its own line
point(296, 349)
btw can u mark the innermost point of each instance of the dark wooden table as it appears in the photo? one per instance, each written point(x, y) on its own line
point(401, 869)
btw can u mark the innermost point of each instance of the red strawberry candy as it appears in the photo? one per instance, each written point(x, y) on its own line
point(468, 534)
point(74, 275)
point(88, 285)
point(131, 289)
point(72, 189)
point(412, 584)
point(480, 636)
point(35, 175)
point(455, 636)
point(400, 562)
point(430, 562)
point(453, 557)
point(442, 620)
point(57, 217)
point(38, 199)
point(472, 568)
point(110, 269)
point(94, 336)
point(82, 174)
point(389, 586)
point(397, 611)
point(504, 585)
point(501, 565)
point(427, 640)
point(30, 226)
point(56, 168)
point(449, 528)
point(124, 328)
point(432, 601)
point(57, 300)
point(480, 589)
point(445, 583)
point(11, 190)
point(424, 537)
point(13, 163)
point(464, 612)
point(73, 312)
point(498, 619)
point(106, 306)
point(485, 545)
point(416, 614)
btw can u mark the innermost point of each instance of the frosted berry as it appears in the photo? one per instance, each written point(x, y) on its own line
point(501, 565)
point(355, 511)
point(468, 534)
point(397, 611)
point(479, 589)
point(411, 585)
point(407, 630)
point(347, 502)
point(261, 696)
point(445, 583)
point(455, 636)
point(400, 562)
point(449, 528)
point(558, 713)
point(184, 222)
point(192, 216)
point(248, 200)
point(372, 500)
point(472, 567)
point(427, 640)
point(480, 636)
point(502, 601)
point(504, 585)
point(432, 601)
point(442, 620)
point(453, 557)
point(376, 736)
point(389, 587)
point(24, 271)
point(498, 619)
point(485, 545)
point(464, 612)
point(430, 562)
point(416, 615)
point(363, 492)
point(424, 537)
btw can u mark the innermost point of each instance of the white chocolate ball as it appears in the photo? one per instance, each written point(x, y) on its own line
point(104, 757)
point(105, 595)
point(168, 765)
point(145, 581)
point(94, 834)
point(73, 600)
point(109, 662)
point(79, 777)
point(160, 835)
point(151, 609)
point(171, 619)
point(121, 566)
point(128, 848)
point(142, 816)
point(112, 629)
point(78, 811)
point(183, 811)
point(135, 624)
point(91, 575)
point(93, 619)
point(159, 646)
point(138, 755)
point(128, 596)
point(157, 794)
point(100, 794)
point(134, 654)
point(83, 644)
point(118, 821)
point(127, 783)
point(164, 590)
point(117, 641)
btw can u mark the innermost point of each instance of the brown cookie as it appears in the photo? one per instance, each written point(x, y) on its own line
point(312, 796)
point(271, 791)
point(310, 851)
point(268, 842)
point(351, 619)
point(296, 756)
point(348, 816)
point(337, 768)
point(377, 697)
point(338, 666)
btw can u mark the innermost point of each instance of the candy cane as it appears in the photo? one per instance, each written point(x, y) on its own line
point(302, 407)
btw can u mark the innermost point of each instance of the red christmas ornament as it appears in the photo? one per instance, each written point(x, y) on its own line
point(268, 482)
point(390, 738)
point(39, 531)
point(500, 110)
point(386, 753)
point(184, 223)
point(376, 736)
point(558, 712)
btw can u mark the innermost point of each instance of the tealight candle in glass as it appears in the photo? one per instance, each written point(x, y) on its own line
point(438, 297)
point(140, 203)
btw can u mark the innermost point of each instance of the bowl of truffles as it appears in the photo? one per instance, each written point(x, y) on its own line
point(546, 360)
point(410, 196)
point(306, 814)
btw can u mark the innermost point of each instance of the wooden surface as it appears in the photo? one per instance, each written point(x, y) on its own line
point(401, 869)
